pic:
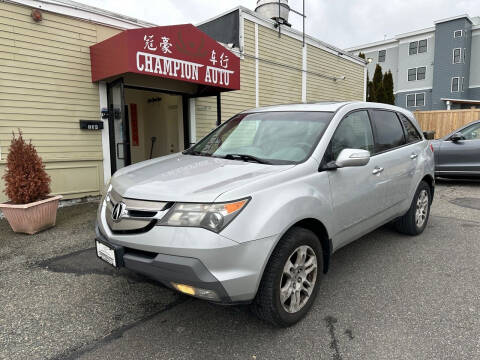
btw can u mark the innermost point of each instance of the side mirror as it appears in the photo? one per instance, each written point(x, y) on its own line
point(352, 157)
point(457, 137)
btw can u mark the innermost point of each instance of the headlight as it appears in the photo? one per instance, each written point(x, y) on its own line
point(214, 217)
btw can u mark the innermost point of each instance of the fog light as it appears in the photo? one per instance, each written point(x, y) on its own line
point(197, 292)
point(186, 289)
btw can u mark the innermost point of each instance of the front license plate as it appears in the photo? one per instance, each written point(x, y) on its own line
point(106, 253)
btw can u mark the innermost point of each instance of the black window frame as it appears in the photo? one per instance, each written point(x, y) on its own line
point(375, 134)
point(405, 131)
point(382, 54)
point(422, 46)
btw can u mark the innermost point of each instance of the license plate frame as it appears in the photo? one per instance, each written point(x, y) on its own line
point(107, 253)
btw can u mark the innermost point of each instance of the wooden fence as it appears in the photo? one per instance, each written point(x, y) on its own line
point(444, 122)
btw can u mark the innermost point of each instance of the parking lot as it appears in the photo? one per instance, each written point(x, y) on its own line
point(387, 296)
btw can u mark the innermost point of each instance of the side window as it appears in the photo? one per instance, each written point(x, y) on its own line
point(354, 132)
point(410, 130)
point(471, 132)
point(388, 130)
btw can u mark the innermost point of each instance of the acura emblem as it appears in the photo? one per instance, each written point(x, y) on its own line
point(118, 211)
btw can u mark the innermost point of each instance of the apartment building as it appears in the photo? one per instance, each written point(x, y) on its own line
point(436, 68)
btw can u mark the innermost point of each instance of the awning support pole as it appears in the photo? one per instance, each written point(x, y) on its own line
point(219, 109)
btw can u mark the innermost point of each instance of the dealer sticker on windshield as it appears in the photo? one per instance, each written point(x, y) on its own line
point(106, 253)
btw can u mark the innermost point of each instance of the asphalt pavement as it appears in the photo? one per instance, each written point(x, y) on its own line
point(386, 296)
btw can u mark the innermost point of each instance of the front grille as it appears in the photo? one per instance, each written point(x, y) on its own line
point(134, 216)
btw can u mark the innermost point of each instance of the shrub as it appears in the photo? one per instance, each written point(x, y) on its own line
point(25, 178)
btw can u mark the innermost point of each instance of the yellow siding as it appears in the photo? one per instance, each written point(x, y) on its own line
point(45, 89)
point(279, 84)
point(322, 89)
point(233, 102)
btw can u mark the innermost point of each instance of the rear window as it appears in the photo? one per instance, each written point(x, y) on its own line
point(388, 130)
point(410, 130)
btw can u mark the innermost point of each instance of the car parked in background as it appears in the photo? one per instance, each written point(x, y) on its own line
point(253, 212)
point(457, 155)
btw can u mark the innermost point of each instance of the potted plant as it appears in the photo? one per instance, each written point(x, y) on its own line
point(27, 185)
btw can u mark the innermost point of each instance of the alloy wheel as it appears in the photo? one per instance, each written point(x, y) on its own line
point(422, 208)
point(298, 279)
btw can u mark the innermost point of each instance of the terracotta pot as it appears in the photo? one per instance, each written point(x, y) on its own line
point(33, 217)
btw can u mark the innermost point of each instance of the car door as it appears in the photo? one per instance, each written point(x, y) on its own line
point(357, 192)
point(462, 156)
point(393, 158)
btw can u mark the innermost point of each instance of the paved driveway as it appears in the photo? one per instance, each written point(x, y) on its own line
point(387, 296)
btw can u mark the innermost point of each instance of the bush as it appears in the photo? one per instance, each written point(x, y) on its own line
point(25, 178)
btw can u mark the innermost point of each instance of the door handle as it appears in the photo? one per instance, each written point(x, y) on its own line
point(413, 156)
point(377, 170)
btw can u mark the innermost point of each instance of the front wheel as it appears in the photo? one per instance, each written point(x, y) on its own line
point(291, 279)
point(415, 220)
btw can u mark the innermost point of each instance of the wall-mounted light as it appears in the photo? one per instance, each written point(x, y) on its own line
point(36, 15)
point(369, 60)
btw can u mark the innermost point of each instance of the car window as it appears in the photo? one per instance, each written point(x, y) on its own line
point(388, 130)
point(472, 132)
point(410, 130)
point(354, 132)
point(275, 137)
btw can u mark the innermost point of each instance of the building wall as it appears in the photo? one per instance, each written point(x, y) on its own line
point(280, 77)
point(444, 67)
point(324, 89)
point(474, 64)
point(401, 99)
point(390, 63)
point(406, 61)
point(45, 89)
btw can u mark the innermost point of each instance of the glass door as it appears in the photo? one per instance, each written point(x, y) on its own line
point(118, 126)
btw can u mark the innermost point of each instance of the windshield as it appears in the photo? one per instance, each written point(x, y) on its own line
point(266, 137)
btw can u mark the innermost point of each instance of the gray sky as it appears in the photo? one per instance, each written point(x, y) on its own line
point(342, 23)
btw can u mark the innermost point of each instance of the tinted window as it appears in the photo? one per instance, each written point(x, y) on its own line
point(412, 49)
point(381, 55)
point(422, 46)
point(472, 132)
point(412, 74)
point(410, 130)
point(388, 130)
point(354, 132)
point(421, 73)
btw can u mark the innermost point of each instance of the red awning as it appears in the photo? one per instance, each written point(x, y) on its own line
point(180, 52)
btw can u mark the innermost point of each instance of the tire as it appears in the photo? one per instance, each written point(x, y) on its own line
point(408, 224)
point(268, 305)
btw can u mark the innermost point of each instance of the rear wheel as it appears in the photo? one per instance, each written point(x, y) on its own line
point(290, 281)
point(416, 219)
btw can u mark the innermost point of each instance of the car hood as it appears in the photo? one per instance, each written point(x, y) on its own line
point(188, 178)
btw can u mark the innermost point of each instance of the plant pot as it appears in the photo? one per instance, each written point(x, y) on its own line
point(33, 217)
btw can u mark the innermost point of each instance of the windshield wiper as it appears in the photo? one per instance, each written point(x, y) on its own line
point(246, 157)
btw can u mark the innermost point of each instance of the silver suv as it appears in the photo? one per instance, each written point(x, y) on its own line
point(254, 211)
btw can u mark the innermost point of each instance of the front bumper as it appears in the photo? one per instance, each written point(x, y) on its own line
point(195, 257)
point(168, 268)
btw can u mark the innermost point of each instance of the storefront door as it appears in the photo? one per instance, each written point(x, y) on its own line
point(118, 126)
